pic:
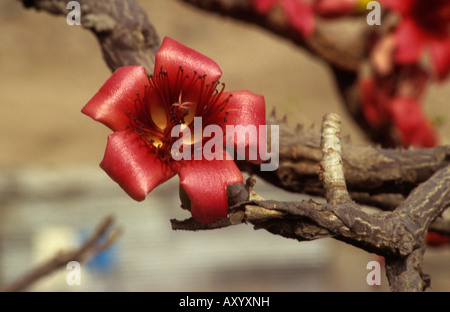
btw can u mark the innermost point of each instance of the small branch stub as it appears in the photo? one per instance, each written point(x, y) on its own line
point(332, 171)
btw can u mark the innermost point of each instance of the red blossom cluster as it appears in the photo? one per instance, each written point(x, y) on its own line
point(403, 61)
point(391, 96)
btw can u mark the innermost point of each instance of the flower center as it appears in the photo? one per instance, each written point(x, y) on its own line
point(171, 102)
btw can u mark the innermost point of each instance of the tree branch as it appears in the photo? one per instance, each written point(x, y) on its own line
point(337, 51)
point(344, 47)
point(398, 235)
point(374, 176)
point(93, 245)
point(122, 28)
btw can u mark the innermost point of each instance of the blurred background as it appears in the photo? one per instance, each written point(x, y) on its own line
point(52, 190)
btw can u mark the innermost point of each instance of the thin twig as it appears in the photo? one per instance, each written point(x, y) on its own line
point(93, 245)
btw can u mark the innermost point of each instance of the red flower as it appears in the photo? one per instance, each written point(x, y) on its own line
point(143, 110)
point(414, 128)
point(436, 239)
point(299, 13)
point(424, 23)
point(395, 101)
point(374, 98)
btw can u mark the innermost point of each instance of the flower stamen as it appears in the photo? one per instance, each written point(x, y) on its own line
point(182, 105)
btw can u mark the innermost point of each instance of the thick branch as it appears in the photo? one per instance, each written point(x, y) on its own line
point(399, 235)
point(337, 51)
point(344, 46)
point(374, 176)
point(395, 233)
point(121, 27)
point(405, 273)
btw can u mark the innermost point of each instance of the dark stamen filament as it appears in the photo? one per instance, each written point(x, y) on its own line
point(208, 102)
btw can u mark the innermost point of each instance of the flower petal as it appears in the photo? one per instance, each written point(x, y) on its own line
point(370, 109)
point(246, 110)
point(410, 42)
point(401, 6)
point(335, 8)
point(263, 6)
point(440, 56)
point(300, 15)
point(117, 95)
point(410, 121)
point(172, 55)
point(436, 239)
point(130, 163)
point(205, 182)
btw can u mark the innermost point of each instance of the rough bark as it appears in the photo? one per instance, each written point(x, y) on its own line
point(374, 176)
point(397, 235)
